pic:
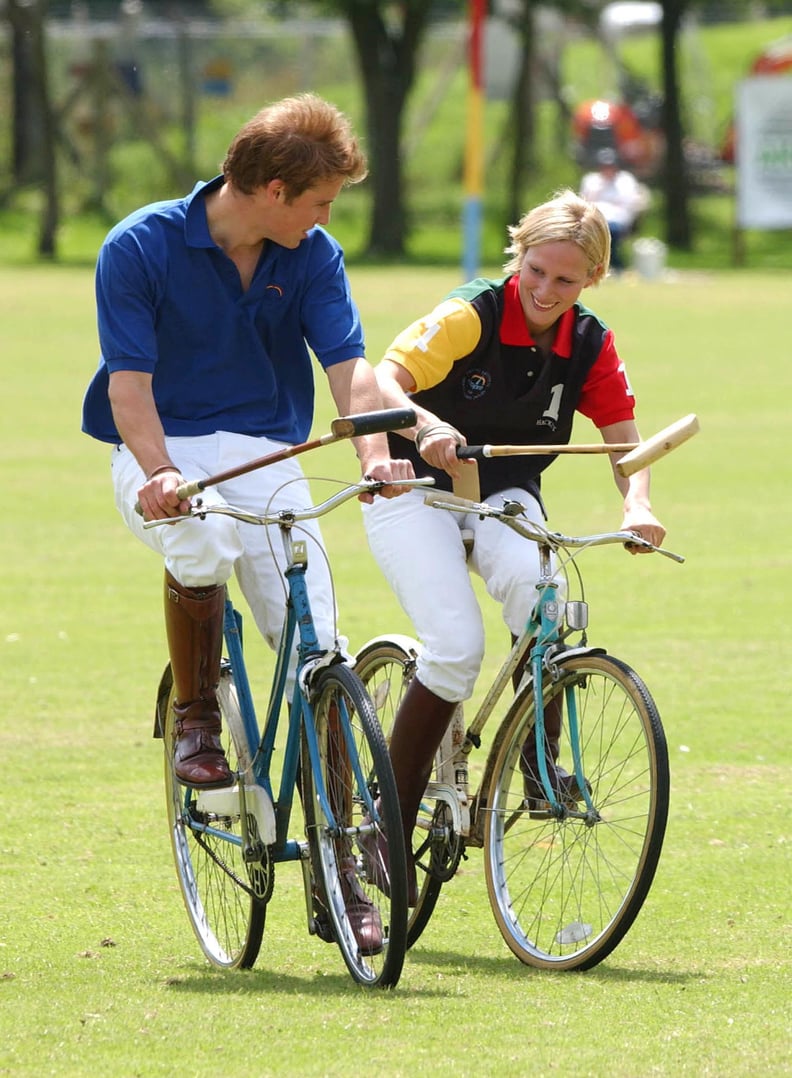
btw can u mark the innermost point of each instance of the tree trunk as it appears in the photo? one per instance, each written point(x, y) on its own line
point(675, 176)
point(386, 51)
point(523, 126)
point(34, 125)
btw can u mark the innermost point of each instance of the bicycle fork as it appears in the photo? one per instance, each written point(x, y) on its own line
point(547, 634)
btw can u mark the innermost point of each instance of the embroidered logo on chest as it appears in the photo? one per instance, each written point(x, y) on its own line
point(475, 384)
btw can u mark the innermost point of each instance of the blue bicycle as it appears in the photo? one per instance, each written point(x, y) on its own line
point(227, 842)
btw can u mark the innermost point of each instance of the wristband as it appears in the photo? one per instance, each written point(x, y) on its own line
point(163, 468)
point(436, 428)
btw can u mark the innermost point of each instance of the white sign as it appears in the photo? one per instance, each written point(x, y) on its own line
point(763, 142)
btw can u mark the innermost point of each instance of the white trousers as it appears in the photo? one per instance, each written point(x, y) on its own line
point(200, 553)
point(421, 552)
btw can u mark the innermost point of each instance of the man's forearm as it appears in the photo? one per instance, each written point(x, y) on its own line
point(137, 421)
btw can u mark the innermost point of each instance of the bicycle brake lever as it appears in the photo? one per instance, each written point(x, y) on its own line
point(645, 544)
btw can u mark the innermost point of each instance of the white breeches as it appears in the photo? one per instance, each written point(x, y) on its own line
point(200, 553)
point(421, 552)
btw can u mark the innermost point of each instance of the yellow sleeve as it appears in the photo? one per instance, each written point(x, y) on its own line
point(429, 347)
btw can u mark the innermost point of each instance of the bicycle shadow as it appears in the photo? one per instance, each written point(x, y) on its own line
point(314, 983)
point(508, 966)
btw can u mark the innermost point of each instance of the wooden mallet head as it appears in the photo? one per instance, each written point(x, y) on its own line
point(658, 445)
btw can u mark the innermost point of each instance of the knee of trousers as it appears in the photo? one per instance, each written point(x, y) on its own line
point(452, 672)
point(201, 553)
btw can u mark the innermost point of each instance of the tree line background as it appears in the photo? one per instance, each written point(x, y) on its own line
point(114, 104)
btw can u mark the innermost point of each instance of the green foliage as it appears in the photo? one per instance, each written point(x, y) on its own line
point(712, 58)
point(99, 973)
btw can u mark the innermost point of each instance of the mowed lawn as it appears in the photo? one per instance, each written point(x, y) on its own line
point(99, 972)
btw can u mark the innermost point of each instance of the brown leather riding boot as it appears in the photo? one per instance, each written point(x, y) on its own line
point(418, 729)
point(194, 625)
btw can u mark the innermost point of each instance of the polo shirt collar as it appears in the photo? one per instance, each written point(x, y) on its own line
point(196, 227)
point(514, 329)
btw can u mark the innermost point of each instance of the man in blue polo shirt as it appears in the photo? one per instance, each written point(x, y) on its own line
point(207, 307)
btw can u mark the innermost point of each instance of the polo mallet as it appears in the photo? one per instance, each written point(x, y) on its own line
point(350, 426)
point(638, 454)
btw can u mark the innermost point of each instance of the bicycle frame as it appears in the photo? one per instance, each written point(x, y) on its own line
point(262, 741)
point(542, 634)
point(569, 857)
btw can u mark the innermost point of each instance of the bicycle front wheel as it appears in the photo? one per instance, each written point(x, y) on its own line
point(386, 667)
point(225, 891)
point(368, 924)
point(565, 891)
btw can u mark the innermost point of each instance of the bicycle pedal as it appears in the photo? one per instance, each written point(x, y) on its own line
point(323, 927)
point(543, 810)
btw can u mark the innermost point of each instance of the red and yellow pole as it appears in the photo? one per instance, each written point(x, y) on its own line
point(474, 141)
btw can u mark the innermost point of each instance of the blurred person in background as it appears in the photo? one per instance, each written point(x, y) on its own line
point(620, 197)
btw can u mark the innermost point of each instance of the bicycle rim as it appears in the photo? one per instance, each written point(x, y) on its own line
point(225, 895)
point(564, 892)
point(342, 878)
point(386, 667)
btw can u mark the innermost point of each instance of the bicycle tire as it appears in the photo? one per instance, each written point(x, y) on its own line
point(337, 858)
point(386, 666)
point(565, 892)
point(224, 893)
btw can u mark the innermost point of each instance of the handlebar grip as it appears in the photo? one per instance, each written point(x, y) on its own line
point(353, 426)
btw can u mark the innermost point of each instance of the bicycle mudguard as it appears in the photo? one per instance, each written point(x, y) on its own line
point(352, 426)
point(399, 640)
point(558, 658)
point(163, 694)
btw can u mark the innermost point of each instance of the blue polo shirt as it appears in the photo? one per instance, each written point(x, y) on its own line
point(170, 302)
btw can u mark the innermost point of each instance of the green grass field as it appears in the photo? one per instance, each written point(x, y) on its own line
point(99, 972)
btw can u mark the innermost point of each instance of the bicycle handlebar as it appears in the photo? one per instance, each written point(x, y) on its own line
point(289, 516)
point(511, 511)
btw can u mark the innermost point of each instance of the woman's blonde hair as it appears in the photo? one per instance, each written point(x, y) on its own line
point(568, 217)
point(300, 140)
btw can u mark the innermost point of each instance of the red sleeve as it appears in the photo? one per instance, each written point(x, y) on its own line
point(607, 396)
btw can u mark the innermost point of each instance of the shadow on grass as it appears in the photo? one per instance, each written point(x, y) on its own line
point(317, 983)
point(311, 984)
point(513, 969)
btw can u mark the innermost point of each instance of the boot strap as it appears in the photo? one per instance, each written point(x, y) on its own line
point(197, 715)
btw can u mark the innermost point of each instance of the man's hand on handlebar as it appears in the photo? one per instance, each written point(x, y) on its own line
point(388, 472)
point(158, 498)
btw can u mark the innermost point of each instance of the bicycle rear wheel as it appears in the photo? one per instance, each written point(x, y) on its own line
point(225, 892)
point(386, 666)
point(565, 891)
point(355, 771)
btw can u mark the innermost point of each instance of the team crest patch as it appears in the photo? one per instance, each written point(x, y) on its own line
point(475, 384)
